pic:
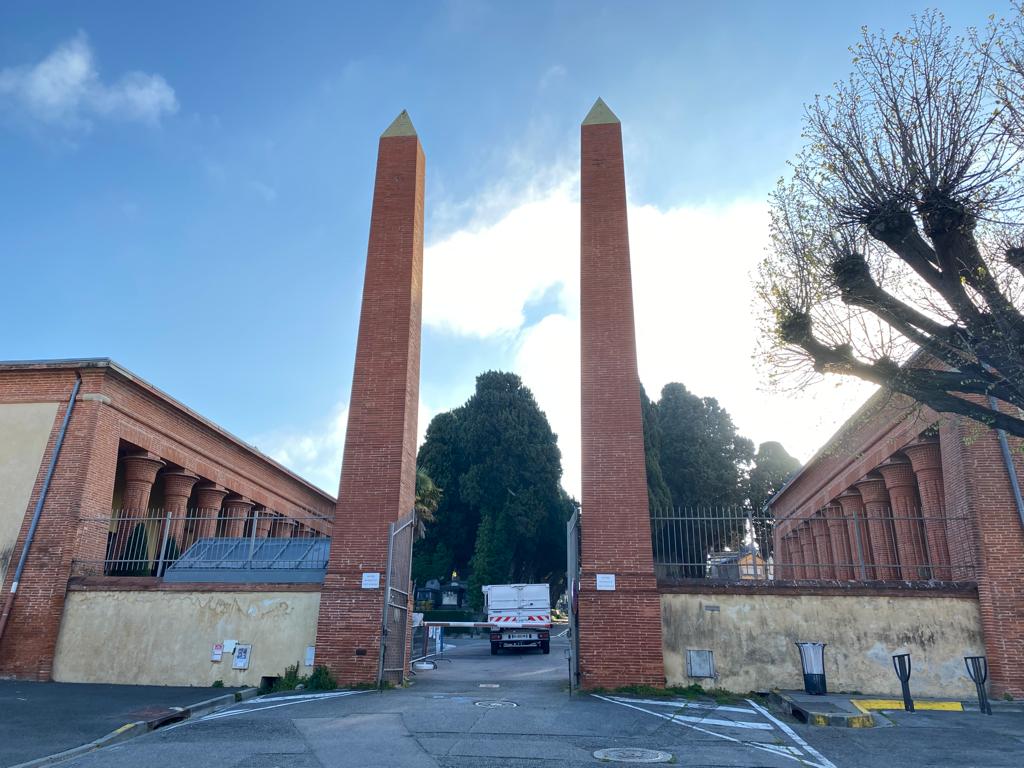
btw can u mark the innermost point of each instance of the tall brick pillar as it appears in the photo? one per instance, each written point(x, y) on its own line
point(235, 512)
point(878, 511)
point(209, 497)
point(178, 485)
point(823, 546)
point(839, 537)
point(906, 514)
point(378, 475)
point(861, 554)
point(807, 553)
point(139, 475)
point(796, 557)
point(926, 460)
point(616, 525)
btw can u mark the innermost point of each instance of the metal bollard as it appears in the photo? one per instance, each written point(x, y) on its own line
point(901, 661)
point(977, 668)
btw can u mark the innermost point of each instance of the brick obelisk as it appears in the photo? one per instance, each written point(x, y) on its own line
point(619, 607)
point(378, 477)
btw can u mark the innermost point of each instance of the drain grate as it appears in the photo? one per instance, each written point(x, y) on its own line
point(494, 704)
point(633, 755)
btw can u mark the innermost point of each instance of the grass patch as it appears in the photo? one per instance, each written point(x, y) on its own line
point(319, 680)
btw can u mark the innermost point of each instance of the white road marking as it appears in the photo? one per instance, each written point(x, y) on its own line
point(287, 702)
point(825, 762)
point(687, 704)
point(790, 753)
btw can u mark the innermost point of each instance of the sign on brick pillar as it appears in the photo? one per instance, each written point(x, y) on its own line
point(209, 498)
point(379, 466)
point(976, 481)
point(878, 511)
point(857, 531)
point(234, 512)
point(617, 584)
point(910, 547)
point(926, 461)
point(839, 537)
point(822, 546)
point(807, 553)
point(139, 475)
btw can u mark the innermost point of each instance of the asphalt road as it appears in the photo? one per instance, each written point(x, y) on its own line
point(513, 710)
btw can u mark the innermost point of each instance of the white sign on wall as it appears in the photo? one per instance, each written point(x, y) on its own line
point(242, 654)
point(218, 652)
point(606, 582)
point(371, 581)
point(310, 655)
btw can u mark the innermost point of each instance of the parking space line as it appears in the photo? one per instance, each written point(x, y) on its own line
point(789, 753)
point(288, 702)
point(825, 762)
point(686, 704)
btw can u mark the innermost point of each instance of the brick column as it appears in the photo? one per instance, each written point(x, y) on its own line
point(209, 497)
point(235, 510)
point(782, 559)
point(839, 536)
point(926, 460)
point(264, 522)
point(139, 475)
point(977, 484)
point(877, 509)
point(822, 546)
point(861, 554)
point(178, 485)
point(902, 487)
point(379, 467)
point(615, 522)
point(796, 556)
point(807, 553)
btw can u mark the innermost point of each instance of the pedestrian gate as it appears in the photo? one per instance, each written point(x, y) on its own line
point(572, 542)
point(395, 625)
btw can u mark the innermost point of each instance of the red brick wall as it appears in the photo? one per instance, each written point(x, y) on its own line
point(620, 631)
point(379, 468)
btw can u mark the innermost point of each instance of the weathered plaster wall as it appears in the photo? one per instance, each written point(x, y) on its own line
point(165, 638)
point(24, 431)
point(752, 637)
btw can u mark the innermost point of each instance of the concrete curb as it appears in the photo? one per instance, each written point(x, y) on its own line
point(780, 702)
point(140, 727)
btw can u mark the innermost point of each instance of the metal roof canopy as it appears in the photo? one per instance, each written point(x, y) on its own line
point(248, 561)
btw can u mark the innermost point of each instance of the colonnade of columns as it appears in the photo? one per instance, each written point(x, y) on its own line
point(193, 507)
point(889, 525)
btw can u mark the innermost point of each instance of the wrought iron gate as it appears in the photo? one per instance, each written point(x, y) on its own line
point(572, 542)
point(397, 586)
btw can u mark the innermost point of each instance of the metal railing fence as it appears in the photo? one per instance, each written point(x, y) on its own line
point(881, 544)
point(149, 544)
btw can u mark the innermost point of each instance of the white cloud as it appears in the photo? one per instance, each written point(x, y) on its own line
point(65, 88)
point(695, 322)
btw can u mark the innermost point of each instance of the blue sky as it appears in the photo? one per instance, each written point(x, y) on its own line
point(186, 189)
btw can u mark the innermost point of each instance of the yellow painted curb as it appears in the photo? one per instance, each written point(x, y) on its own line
point(866, 705)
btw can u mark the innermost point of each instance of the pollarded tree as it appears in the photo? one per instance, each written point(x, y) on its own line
point(897, 246)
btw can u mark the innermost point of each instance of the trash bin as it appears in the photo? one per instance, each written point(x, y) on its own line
point(812, 660)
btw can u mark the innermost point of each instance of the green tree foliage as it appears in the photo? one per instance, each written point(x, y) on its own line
point(772, 467)
point(659, 497)
point(703, 459)
point(502, 514)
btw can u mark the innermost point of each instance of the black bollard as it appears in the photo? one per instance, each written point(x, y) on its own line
point(977, 668)
point(902, 663)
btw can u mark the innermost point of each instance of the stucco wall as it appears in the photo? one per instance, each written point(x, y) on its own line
point(24, 431)
point(165, 638)
point(752, 638)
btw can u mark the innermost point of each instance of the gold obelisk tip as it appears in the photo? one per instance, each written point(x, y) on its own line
point(400, 126)
point(600, 114)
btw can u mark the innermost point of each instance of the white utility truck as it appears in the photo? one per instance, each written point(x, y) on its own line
point(519, 615)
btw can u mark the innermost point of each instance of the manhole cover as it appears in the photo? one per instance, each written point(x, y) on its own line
point(495, 704)
point(632, 755)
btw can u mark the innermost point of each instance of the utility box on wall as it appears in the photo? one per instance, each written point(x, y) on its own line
point(700, 663)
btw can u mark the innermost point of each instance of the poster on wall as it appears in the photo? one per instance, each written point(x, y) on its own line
point(242, 654)
point(217, 653)
point(310, 654)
